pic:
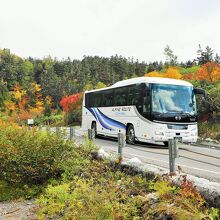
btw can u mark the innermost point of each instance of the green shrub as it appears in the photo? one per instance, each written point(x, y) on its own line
point(54, 120)
point(10, 191)
point(100, 190)
point(73, 117)
point(209, 130)
point(30, 157)
point(163, 187)
point(91, 199)
point(82, 202)
point(192, 69)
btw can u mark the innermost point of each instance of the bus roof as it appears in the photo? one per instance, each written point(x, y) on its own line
point(138, 80)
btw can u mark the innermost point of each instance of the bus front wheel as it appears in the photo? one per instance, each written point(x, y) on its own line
point(130, 135)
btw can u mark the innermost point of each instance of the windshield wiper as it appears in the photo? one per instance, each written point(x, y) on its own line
point(166, 114)
point(186, 114)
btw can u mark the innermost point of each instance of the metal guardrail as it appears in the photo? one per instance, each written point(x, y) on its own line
point(173, 153)
point(121, 143)
point(121, 140)
point(206, 145)
point(173, 147)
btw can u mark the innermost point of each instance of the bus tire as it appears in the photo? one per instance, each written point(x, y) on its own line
point(94, 129)
point(130, 135)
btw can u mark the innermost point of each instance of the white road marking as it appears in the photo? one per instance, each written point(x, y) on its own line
point(176, 164)
point(184, 166)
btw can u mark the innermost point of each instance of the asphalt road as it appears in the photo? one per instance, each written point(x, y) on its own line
point(200, 161)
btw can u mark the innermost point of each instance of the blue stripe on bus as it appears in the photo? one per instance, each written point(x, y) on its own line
point(105, 121)
point(102, 121)
point(99, 118)
point(93, 112)
point(112, 121)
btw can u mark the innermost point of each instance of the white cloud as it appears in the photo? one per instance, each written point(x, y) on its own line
point(138, 28)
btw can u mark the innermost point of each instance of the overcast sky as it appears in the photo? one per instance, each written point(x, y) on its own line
point(131, 28)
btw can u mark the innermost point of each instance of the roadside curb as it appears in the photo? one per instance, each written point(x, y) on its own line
point(209, 190)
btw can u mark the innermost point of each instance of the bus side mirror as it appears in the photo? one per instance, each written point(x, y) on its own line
point(198, 91)
point(204, 98)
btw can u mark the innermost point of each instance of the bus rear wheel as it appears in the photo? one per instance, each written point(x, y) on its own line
point(130, 135)
point(94, 130)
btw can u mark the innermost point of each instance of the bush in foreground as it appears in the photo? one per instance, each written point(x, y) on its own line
point(30, 157)
point(102, 191)
point(82, 187)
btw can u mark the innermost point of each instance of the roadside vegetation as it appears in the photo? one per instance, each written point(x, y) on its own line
point(209, 130)
point(71, 181)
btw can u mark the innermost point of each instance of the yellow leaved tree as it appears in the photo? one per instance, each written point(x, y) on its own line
point(171, 72)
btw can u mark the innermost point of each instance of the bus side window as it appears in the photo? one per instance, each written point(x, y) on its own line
point(120, 97)
point(130, 95)
point(88, 100)
point(107, 98)
point(135, 96)
point(97, 99)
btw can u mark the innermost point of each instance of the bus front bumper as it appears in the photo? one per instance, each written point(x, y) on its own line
point(188, 137)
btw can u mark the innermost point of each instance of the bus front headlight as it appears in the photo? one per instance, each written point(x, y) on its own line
point(193, 133)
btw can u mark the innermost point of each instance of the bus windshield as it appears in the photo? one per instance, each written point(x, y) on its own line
point(173, 99)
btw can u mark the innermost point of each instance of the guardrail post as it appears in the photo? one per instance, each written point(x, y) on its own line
point(171, 145)
point(90, 134)
point(121, 143)
point(72, 133)
point(57, 130)
point(176, 148)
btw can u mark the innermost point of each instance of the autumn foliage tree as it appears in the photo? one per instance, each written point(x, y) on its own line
point(72, 106)
point(171, 72)
point(209, 72)
point(72, 102)
point(154, 74)
point(17, 104)
point(24, 104)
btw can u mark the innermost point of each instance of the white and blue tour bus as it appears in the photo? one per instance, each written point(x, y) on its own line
point(146, 109)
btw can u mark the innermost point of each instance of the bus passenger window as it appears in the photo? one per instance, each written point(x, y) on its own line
point(134, 96)
point(120, 98)
point(89, 100)
point(107, 98)
point(97, 99)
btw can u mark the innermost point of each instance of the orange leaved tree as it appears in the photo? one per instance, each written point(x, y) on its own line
point(209, 72)
point(72, 106)
point(171, 72)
